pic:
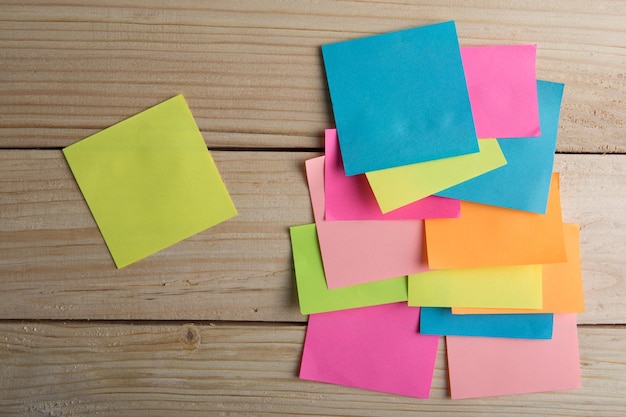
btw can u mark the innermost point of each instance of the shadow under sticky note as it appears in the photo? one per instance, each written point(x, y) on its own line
point(351, 198)
point(149, 181)
point(313, 294)
point(562, 283)
point(495, 236)
point(441, 321)
point(360, 251)
point(375, 348)
point(400, 98)
point(524, 182)
point(505, 286)
point(482, 367)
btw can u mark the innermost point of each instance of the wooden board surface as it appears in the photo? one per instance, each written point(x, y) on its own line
point(79, 337)
point(252, 70)
point(56, 265)
point(204, 369)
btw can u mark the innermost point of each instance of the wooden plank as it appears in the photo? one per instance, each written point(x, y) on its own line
point(252, 71)
point(52, 252)
point(55, 265)
point(169, 369)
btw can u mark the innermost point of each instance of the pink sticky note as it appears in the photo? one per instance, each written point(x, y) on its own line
point(481, 366)
point(359, 251)
point(376, 348)
point(351, 198)
point(502, 87)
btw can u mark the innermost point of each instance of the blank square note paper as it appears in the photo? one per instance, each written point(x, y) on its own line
point(376, 348)
point(150, 181)
point(482, 366)
point(502, 90)
point(400, 98)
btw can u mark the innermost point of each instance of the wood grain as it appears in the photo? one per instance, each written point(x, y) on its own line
point(252, 71)
point(115, 369)
point(55, 264)
point(253, 76)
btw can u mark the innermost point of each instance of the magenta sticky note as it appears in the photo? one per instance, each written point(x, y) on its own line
point(360, 251)
point(502, 87)
point(351, 198)
point(375, 348)
point(483, 366)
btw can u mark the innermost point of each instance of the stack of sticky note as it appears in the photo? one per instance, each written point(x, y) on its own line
point(150, 181)
point(437, 213)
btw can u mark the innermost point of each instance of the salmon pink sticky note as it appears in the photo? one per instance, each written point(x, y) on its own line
point(376, 348)
point(313, 294)
point(359, 251)
point(502, 90)
point(495, 236)
point(351, 198)
point(482, 366)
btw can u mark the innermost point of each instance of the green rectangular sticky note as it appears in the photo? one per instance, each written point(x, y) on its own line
point(314, 295)
point(150, 181)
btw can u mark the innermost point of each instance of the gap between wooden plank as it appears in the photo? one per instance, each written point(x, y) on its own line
point(287, 150)
point(218, 323)
point(283, 149)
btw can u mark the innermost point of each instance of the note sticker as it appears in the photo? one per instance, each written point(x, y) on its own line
point(562, 283)
point(360, 251)
point(351, 198)
point(482, 367)
point(524, 182)
point(150, 181)
point(397, 187)
point(375, 348)
point(501, 81)
point(505, 286)
point(313, 294)
point(495, 236)
point(441, 321)
point(400, 98)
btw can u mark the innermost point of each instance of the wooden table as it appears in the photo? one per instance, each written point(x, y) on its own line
point(211, 326)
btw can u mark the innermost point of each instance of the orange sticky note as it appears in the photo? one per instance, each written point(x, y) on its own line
point(562, 283)
point(495, 236)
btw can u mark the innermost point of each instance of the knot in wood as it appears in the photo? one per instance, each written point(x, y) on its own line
point(190, 336)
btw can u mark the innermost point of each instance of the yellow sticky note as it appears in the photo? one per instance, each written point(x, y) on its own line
point(397, 187)
point(491, 287)
point(150, 181)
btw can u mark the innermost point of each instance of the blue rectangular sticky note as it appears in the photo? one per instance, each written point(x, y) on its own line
point(441, 321)
point(524, 182)
point(400, 98)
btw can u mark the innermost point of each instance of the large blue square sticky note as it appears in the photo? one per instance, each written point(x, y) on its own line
point(400, 98)
point(524, 182)
point(441, 321)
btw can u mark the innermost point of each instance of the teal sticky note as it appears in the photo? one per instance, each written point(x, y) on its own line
point(400, 98)
point(441, 321)
point(524, 182)
point(313, 294)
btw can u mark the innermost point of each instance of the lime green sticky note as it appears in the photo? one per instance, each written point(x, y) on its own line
point(150, 181)
point(397, 187)
point(513, 286)
point(314, 295)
